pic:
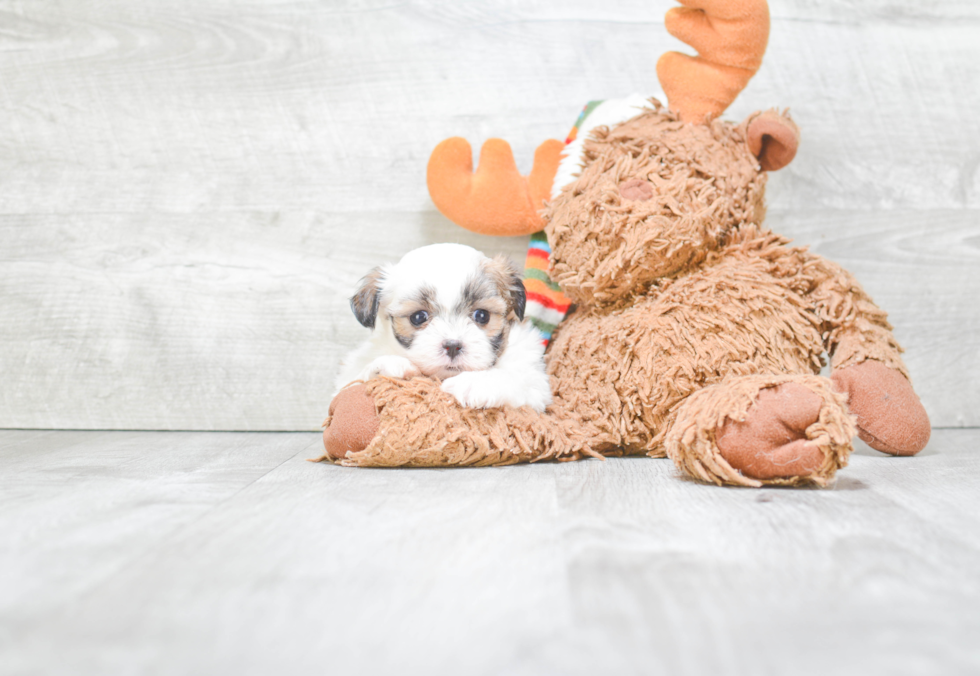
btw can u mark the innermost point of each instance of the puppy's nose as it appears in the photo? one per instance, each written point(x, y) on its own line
point(452, 348)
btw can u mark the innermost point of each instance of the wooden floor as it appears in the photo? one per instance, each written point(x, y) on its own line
point(227, 553)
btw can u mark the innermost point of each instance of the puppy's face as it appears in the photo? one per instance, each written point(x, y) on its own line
point(447, 307)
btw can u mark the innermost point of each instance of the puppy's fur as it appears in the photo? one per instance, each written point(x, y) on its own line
point(449, 312)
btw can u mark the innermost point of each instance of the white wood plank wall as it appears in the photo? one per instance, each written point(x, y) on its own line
point(190, 189)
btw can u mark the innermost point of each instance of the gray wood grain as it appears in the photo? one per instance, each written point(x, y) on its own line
point(190, 189)
point(220, 321)
point(187, 553)
point(238, 322)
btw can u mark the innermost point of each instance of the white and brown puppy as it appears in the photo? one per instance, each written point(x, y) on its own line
point(449, 312)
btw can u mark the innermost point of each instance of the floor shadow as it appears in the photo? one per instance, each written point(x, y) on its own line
point(846, 483)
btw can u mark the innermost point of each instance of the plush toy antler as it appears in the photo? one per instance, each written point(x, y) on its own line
point(730, 37)
point(496, 200)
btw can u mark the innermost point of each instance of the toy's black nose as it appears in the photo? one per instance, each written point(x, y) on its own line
point(452, 348)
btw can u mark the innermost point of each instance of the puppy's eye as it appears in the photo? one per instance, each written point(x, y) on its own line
point(481, 317)
point(419, 318)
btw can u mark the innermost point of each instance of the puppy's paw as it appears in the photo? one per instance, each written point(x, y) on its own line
point(537, 393)
point(490, 389)
point(472, 389)
point(391, 366)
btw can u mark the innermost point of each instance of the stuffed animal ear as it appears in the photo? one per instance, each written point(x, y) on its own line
point(367, 300)
point(773, 138)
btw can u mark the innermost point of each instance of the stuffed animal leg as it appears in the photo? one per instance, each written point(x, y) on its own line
point(867, 363)
point(757, 430)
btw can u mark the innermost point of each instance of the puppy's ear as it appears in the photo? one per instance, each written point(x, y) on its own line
point(510, 280)
point(366, 301)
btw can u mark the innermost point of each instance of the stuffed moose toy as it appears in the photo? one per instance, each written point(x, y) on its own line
point(687, 329)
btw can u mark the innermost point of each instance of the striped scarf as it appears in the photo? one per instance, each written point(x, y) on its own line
point(546, 304)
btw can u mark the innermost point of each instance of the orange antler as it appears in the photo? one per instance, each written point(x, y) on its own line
point(730, 37)
point(496, 200)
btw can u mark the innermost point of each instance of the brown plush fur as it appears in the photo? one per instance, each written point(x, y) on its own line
point(451, 435)
point(607, 249)
point(692, 441)
point(687, 309)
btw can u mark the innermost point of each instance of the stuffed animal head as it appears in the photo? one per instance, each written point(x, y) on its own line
point(656, 196)
point(685, 149)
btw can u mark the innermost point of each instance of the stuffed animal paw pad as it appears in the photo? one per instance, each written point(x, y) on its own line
point(352, 423)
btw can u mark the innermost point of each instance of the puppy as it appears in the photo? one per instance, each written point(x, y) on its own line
point(449, 312)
